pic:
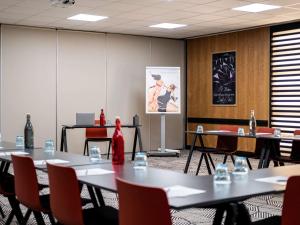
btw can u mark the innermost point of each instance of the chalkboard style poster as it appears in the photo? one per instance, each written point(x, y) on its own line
point(224, 78)
point(163, 90)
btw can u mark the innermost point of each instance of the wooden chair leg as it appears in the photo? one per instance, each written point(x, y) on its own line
point(225, 159)
point(109, 145)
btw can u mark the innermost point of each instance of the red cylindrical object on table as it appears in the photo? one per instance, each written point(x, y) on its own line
point(118, 145)
point(102, 118)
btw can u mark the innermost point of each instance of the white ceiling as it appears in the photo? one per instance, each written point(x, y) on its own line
point(135, 16)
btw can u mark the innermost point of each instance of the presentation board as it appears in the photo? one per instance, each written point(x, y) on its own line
point(163, 90)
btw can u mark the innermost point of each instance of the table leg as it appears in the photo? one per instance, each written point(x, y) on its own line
point(99, 197)
point(62, 140)
point(262, 157)
point(199, 165)
point(219, 216)
point(139, 136)
point(134, 144)
point(211, 161)
point(92, 195)
point(190, 154)
point(65, 140)
point(207, 164)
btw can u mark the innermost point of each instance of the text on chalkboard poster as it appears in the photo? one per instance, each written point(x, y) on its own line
point(224, 78)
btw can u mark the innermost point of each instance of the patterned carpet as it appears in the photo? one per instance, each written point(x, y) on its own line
point(259, 207)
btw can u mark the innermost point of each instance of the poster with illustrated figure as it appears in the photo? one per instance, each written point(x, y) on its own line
point(163, 90)
point(224, 78)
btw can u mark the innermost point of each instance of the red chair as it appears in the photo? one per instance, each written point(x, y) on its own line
point(7, 189)
point(227, 144)
point(96, 135)
point(290, 208)
point(27, 188)
point(139, 205)
point(294, 157)
point(259, 145)
point(66, 203)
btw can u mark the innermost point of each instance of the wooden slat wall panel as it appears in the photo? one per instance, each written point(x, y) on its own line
point(252, 63)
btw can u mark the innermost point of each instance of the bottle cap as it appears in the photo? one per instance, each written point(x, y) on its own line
point(28, 115)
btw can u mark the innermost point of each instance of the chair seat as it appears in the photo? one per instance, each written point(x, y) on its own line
point(104, 215)
point(246, 154)
point(286, 159)
point(45, 202)
point(99, 139)
point(273, 220)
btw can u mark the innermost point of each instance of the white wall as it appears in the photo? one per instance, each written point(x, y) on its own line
point(54, 74)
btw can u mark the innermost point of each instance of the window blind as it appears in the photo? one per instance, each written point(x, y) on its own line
point(285, 80)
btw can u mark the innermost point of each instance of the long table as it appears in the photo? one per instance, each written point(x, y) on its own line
point(215, 195)
point(268, 149)
point(137, 135)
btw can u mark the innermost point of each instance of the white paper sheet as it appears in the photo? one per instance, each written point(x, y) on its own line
point(15, 153)
point(274, 180)
point(218, 131)
point(181, 191)
point(52, 161)
point(94, 171)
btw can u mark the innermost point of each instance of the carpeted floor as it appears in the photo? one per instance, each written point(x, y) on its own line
point(259, 207)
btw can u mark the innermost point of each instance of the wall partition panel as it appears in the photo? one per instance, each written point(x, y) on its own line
point(166, 52)
point(28, 82)
point(127, 58)
point(285, 79)
point(81, 81)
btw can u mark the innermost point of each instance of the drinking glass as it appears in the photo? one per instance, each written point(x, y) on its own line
point(221, 175)
point(49, 146)
point(240, 166)
point(277, 132)
point(199, 129)
point(140, 161)
point(94, 154)
point(20, 142)
point(241, 131)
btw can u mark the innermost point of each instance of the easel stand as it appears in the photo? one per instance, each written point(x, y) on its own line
point(162, 151)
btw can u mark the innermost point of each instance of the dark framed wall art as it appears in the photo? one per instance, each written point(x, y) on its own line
point(224, 78)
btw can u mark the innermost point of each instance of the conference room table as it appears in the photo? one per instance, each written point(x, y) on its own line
point(137, 135)
point(268, 149)
point(101, 176)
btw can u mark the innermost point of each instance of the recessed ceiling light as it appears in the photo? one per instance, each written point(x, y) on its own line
point(256, 7)
point(168, 25)
point(87, 17)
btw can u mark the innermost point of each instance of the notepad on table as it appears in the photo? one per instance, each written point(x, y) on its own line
point(94, 171)
point(15, 153)
point(52, 161)
point(274, 180)
point(181, 191)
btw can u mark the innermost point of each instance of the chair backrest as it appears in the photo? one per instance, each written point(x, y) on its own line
point(65, 198)
point(26, 183)
point(96, 132)
point(228, 143)
point(295, 153)
point(142, 205)
point(291, 202)
point(260, 143)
